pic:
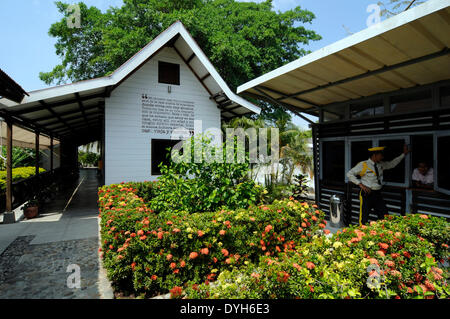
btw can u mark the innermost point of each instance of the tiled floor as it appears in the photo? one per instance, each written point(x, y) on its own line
point(35, 254)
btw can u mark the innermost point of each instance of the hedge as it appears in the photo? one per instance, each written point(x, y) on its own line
point(149, 253)
point(399, 257)
point(18, 174)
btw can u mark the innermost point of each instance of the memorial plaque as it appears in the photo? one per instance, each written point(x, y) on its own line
point(163, 116)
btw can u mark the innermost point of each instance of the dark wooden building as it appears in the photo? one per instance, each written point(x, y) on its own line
point(388, 85)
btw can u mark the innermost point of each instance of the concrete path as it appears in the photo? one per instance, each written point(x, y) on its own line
point(41, 256)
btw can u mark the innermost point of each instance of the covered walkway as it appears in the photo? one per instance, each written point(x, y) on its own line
point(35, 254)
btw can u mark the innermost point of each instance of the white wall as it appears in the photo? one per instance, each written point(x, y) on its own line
point(128, 150)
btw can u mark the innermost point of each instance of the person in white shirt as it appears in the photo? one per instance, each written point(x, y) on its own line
point(423, 176)
point(368, 175)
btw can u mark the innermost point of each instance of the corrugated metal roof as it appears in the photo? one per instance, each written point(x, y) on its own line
point(407, 50)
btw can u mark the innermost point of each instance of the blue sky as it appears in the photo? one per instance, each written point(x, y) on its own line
point(28, 49)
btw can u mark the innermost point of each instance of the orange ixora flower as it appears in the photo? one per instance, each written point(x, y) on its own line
point(200, 233)
point(204, 251)
point(193, 255)
point(310, 265)
point(222, 232)
point(176, 292)
point(225, 252)
point(268, 228)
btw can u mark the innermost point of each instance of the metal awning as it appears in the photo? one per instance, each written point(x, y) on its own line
point(407, 50)
point(10, 89)
point(25, 138)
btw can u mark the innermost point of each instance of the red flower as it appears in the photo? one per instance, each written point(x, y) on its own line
point(143, 237)
point(268, 228)
point(222, 232)
point(154, 277)
point(133, 266)
point(176, 292)
point(200, 233)
point(173, 265)
point(160, 235)
point(169, 257)
point(406, 254)
point(176, 230)
point(383, 246)
point(225, 252)
point(193, 255)
point(204, 251)
point(182, 264)
point(310, 265)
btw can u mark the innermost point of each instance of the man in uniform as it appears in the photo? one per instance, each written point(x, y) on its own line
point(370, 181)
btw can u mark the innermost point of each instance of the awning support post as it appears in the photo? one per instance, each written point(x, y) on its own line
point(36, 148)
point(51, 154)
point(9, 216)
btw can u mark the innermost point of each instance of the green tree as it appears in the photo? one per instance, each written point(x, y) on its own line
point(242, 39)
point(394, 7)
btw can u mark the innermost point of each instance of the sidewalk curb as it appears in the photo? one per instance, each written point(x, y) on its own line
point(104, 285)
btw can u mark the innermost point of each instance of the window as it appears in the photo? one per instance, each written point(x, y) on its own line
point(443, 167)
point(168, 73)
point(445, 96)
point(359, 151)
point(411, 102)
point(422, 151)
point(393, 149)
point(333, 161)
point(367, 109)
point(160, 154)
point(334, 112)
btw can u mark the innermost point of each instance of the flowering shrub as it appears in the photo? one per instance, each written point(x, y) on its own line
point(388, 259)
point(153, 253)
point(208, 185)
point(18, 174)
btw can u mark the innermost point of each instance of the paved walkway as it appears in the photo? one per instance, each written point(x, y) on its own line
point(39, 257)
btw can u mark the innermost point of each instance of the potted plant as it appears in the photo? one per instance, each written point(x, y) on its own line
point(31, 209)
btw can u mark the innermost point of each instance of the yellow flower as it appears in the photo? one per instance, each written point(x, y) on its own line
point(190, 236)
point(337, 244)
point(214, 271)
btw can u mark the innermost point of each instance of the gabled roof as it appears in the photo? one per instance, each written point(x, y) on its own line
point(407, 50)
point(70, 109)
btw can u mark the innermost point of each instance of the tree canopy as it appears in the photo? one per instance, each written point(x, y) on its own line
point(394, 7)
point(242, 39)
